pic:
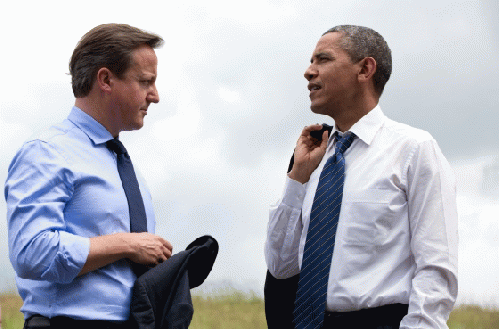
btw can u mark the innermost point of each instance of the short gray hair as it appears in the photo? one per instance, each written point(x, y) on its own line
point(361, 42)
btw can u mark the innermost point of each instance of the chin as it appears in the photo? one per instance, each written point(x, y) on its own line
point(135, 126)
point(317, 109)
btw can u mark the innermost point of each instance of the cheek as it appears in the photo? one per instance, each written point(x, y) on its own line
point(135, 98)
point(330, 79)
point(140, 95)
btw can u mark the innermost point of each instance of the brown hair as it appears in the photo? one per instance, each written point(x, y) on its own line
point(107, 45)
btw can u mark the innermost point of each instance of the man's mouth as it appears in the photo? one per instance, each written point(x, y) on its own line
point(313, 87)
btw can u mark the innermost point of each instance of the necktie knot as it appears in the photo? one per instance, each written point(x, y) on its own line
point(344, 142)
point(116, 146)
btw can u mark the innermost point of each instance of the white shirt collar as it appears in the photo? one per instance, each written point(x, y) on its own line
point(367, 127)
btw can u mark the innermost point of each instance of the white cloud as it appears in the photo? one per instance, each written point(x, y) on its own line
point(214, 151)
point(478, 233)
point(184, 124)
point(250, 13)
point(229, 96)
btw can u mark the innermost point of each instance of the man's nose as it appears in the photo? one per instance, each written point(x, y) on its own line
point(153, 96)
point(310, 73)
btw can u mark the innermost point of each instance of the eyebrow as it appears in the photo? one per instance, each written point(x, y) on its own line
point(147, 76)
point(321, 54)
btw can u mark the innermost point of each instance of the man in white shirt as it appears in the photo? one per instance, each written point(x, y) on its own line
point(394, 263)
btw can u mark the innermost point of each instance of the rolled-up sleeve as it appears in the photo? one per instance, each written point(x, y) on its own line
point(38, 186)
point(434, 237)
point(284, 231)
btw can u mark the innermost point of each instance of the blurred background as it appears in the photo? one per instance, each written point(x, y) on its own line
point(215, 150)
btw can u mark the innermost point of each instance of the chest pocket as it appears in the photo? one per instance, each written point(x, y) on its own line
point(362, 211)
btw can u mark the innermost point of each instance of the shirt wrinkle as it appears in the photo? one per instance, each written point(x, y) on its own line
point(96, 132)
point(376, 233)
point(64, 185)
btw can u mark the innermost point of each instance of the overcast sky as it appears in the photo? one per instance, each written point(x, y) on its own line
point(215, 150)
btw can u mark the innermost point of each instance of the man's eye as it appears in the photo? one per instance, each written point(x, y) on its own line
point(320, 60)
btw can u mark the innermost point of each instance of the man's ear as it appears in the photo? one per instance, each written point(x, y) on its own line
point(104, 77)
point(367, 69)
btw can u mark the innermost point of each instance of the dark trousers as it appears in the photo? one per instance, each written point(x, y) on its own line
point(61, 322)
point(383, 317)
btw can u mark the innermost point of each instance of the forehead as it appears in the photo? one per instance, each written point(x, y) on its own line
point(329, 43)
point(144, 59)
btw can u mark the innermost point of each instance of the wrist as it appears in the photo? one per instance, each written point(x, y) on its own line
point(299, 176)
point(123, 244)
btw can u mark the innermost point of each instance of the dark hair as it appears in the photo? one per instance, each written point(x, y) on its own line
point(107, 45)
point(361, 42)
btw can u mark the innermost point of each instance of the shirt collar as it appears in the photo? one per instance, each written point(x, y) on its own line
point(93, 129)
point(367, 127)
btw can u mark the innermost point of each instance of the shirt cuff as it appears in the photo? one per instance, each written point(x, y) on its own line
point(71, 257)
point(294, 193)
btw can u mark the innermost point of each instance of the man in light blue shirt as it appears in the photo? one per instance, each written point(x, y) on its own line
point(68, 215)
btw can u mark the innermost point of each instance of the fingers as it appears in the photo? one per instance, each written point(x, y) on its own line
point(306, 131)
point(312, 137)
point(150, 249)
point(167, 248)
point(168, 245)
point(165, 254)
point(164, 249)
point(324, 140)
point(162, 258)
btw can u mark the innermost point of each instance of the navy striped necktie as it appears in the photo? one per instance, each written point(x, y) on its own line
point(138, 218)
point(310, 301)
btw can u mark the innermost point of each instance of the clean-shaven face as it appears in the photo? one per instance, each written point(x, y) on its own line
point(137, 89)
point(332, 76)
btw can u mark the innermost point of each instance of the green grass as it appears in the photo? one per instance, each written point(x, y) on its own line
point(241, 311)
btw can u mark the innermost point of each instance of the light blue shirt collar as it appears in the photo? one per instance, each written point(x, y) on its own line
point(91, 127)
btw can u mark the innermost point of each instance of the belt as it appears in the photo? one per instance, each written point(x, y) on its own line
point(386, 314)
point(39, 321)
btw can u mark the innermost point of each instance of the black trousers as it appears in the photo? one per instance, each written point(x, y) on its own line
point(61, 322)
point(383, 317)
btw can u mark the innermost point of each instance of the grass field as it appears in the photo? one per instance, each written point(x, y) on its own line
point(241, 312)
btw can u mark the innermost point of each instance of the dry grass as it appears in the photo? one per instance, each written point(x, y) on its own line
point(473, 317)
point(241, 311)
point(11, 317)
point(224, 312)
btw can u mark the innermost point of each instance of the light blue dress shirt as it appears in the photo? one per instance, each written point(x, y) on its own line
point(63, 188)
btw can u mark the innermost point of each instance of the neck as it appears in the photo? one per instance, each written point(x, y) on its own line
point(96, 108)
point(350, 115)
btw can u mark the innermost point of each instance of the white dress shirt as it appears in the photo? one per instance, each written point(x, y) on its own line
point(396, 240)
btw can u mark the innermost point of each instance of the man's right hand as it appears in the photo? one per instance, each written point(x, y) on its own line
point(308, 154)
point(143, 248)
point(148, 249)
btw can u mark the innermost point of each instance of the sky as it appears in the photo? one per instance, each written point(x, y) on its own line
point(215, 150)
